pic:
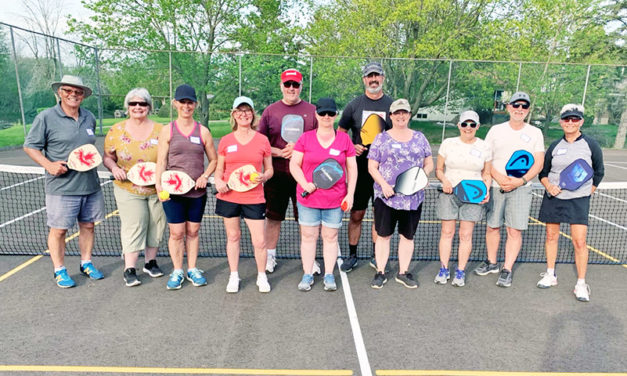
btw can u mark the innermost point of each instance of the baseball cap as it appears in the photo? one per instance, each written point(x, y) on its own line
point(243, 100)
point(326, 105)
point(469, 115)
point(519, 96)
point(185, 91)
point(291, 75)
point(571, 110)
point(400, 104)
point(372, 67)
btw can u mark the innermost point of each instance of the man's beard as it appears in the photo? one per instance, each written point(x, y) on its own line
point(374, 90)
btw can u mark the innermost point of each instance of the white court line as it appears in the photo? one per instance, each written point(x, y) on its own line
point(612, 197)
point(615, 166)
point(360, 347)
point(18, 184)
point(608, 222)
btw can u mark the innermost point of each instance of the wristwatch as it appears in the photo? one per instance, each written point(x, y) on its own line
point(524, 180)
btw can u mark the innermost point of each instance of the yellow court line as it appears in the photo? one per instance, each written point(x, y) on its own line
point(587, 245)
point(169, 371)
point(36, 258)
point(488, 373)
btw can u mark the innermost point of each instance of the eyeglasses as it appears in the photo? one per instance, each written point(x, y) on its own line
point(133, 104)
point(572, 119)
point(327, 113)
point(245, 111)
point(373, 74)
point(77, 92)
point(294, 84)
point(468, 124)
point(518, 105)
point(186, 102)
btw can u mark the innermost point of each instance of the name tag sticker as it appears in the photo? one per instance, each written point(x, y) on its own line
point(90, 131)
point(561, 151)
point(154, 141)
point(525, 138)
point(396, 146)
point(194, 140)
point(334, 152)
point(231, 148)
point(475, 153)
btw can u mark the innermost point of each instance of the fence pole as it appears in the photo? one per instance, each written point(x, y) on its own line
point(310, 76)
point(169, 103)
point(17, 80)
point(98, 87)
point(448, 89)
point(59, 59)
point(240, 74)
point(585, 88)
point(518, 79)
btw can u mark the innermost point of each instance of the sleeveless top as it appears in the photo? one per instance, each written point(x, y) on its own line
point(187, 154)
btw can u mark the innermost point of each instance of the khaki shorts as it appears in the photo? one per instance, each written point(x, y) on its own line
point(142, 220)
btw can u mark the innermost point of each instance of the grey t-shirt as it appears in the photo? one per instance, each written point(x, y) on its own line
point(56, 135)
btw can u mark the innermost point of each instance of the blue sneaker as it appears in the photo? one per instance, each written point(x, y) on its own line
point(306, 282)
point(90, 270)
point(196, 278)
point(443, 276)
point(176, 280)
point(63, 279)
point(460, 278)
point(329, 282)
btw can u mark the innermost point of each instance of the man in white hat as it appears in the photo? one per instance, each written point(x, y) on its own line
point(70, 195)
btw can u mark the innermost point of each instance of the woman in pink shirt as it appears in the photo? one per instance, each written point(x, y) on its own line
point(244, 146)
point(322, 206)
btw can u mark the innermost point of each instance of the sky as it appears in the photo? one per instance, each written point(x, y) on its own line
point(11, 11)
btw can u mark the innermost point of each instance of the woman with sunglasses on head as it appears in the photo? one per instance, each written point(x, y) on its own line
point(142, 218)
point(244, 146)
point(183, 145)
point(460, 158)
point(566, 206)
point(392, 153)
point(320, 210)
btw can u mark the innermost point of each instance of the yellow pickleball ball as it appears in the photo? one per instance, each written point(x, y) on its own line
point(253, 176)
point(164, 195)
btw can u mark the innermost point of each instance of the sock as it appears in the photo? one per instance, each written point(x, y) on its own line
point(83, 262)
point(235, 274)
point(177, 271)
point(59, 268)
point(191, 269)
point(261, 276)
point(272, 252)
point(581, 281)
point(353, 250)
point(550, 271)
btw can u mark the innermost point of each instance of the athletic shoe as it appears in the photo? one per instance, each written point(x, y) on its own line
point(406, 280)
point(547, 281)
point(373, 265)
point(90, 270)
point(176, 280)
point(233, 286)
point(329, 282)
point(306, 282)
point(378, 281)
point(63, 279)
point(505, 278)
point(316, 268)
point(349, 263)
point(262, 283)
point(582, 292)
point(460, 278)
point(152, 269)
point(270, 263)
point(486, 268)
point(443, 276)
point(130, 277)
point(195, 277)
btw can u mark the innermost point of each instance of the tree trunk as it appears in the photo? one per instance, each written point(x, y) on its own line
point(619, 143)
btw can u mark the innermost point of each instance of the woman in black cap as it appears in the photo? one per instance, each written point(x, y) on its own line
point(183, 145)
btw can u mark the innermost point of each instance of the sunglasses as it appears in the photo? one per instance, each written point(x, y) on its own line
point(294, 84)
point(572, 119)
point(518, 105)
point(142, 104)
point(468, 124)
point(76, 92)
point(327, 113)
point(186, 102)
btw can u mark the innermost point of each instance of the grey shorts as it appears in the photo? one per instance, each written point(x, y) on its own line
point(509, 208)
point(64, 210)
point(450, 208)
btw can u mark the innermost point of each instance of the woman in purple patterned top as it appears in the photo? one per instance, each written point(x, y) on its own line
point(392, 153)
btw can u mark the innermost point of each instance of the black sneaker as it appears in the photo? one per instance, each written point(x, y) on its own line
point(505, 278)
point(152, 269)
point(349, 263)
point(486, 268)
point(378, 281)
point(130, 277)
point(407, 280)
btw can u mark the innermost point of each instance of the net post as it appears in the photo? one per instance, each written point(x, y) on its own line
point(585, 87)
point(448, 90)
point(96, 60)
point(17, 80)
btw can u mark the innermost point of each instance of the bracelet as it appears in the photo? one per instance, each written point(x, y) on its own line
point(206, 176)
point(524, 180)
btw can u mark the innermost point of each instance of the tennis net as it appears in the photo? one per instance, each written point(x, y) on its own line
point(23, 229)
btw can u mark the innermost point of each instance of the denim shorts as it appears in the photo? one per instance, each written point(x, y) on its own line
point(509, 208)
point(64, 210)
point(331, 218)
point(179, 209)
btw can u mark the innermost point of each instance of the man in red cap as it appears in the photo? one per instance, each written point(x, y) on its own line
point(294, 112)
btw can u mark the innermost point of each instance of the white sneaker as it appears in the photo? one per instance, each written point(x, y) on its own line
point(263, 284)
point(233, 285)
point(582, 292)
point(547, 281)
point(316, 268)
point(270, 263)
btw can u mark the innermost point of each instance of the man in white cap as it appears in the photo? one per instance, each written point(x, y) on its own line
point(70, 195)
point(278, 191)
point(511, 206)
point(373, 103)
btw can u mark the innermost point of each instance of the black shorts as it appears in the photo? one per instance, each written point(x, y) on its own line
point(229, 209)
point(364, 190)
point(180, 209)
point(387, 217)
point(573, 211)
point(278, 192)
